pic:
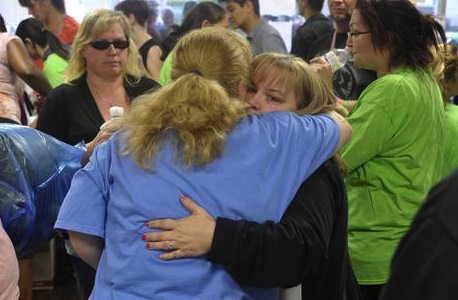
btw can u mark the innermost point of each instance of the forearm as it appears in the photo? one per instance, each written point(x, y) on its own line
point(344, 126)
point(88, 247)
point(37, 82)
point(285, 253)
point(268, 254)
point(22, 64)
point(154, 63)
point(89, 150)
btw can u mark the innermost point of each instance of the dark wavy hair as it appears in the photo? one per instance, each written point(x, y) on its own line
point(138, 8)
point(33, 29)
point(205, 10)
point(400, 27)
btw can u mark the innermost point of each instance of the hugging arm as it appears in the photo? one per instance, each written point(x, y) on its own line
point(344, 126)
point(265, 255)
point(285, 253)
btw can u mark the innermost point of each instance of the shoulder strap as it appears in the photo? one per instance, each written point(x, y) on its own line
point(144, 49)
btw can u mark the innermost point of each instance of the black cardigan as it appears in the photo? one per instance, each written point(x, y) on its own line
point(71, 114)
point(308, 246)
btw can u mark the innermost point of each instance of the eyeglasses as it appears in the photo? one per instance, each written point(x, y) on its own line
point(353, 34)
point(104, 44)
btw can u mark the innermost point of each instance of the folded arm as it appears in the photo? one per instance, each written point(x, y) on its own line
point(265, 255)
point(285, 253)
point(23, 65)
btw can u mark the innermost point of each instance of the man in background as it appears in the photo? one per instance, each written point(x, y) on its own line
point(348, 81)
point(263, 37)
point(316, 25)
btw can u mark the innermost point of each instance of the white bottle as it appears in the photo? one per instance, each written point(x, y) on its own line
point(337, 58)
point(116, 112)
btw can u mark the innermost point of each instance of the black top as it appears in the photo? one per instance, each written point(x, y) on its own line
point(308, 246)
point(349, 82)
point(71, 114)
point(315, 27)
point(425, 265)
point(144, 49)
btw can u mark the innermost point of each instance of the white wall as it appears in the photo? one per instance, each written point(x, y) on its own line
point(78, 8)
point(13, 13)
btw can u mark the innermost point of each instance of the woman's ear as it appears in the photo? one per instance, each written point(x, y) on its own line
point(28, 43)
point(31, 48)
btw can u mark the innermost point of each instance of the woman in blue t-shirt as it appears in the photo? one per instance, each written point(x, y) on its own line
point(190, 137)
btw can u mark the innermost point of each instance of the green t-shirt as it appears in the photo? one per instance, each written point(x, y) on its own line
point(166, 70)
point(394, 157)
point(451, 139)
point(53, 68)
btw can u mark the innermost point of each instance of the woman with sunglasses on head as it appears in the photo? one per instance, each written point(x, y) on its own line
point(103, 72)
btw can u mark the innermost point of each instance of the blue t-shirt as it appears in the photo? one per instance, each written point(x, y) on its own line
point(265, 160)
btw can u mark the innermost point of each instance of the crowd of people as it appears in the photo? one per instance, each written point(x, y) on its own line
point(239, 171)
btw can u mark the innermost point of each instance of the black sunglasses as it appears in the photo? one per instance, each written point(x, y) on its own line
point(104, 44)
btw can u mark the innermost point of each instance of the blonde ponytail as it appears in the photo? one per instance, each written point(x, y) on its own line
point(195, 113)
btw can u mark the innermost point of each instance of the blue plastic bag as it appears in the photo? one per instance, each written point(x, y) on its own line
point(35, 174)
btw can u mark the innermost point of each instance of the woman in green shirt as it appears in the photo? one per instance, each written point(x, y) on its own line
point(445, 69)
point(43, 44)
point(396, 152)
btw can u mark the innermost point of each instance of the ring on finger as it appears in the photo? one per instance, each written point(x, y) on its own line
point(169, 245)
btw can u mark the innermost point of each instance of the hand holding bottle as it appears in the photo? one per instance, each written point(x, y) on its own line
point(114, 123)
point(323, 68)
point(106, 131)
point(337, 58)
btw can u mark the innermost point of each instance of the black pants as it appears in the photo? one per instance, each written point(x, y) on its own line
point(370, 292)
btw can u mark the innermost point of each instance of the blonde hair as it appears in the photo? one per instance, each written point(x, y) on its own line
point(444, 66)
point(222, 55)
point(195, 111)
point(438, 63)
point(312, 94)
point(451, 64)
point(94, 24)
